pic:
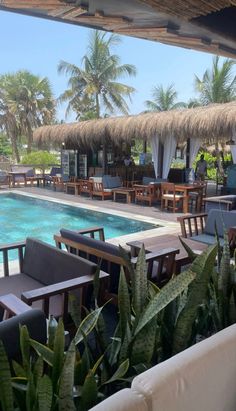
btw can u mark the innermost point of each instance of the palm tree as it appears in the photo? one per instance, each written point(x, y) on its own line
point(95, 85)
point(164, 99)
point(28, 99)
point(218, 85)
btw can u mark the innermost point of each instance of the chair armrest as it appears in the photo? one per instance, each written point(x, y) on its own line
point(44, 293)
point(92, 230)
point(192, 225)
point(13, 305)
point(5, 248)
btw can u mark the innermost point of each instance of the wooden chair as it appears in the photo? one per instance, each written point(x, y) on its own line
point(98, 190)
point(146, 193)
point(85, 186)
point(169, 195)
point(196, 198)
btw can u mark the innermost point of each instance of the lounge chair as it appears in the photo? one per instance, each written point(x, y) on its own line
point(46, 276)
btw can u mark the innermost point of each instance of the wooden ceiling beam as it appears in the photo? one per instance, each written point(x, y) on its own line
point(30, 4)
point(69, 12)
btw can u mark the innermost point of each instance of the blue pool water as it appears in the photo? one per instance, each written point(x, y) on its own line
point(21, 217)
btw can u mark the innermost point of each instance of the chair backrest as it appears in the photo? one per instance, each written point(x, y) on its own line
point(35, 321)
point(220, 219)
point(111, 181)
point(49, 265)
point(167, 188)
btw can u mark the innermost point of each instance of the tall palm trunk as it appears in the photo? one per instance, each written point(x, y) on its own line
point(14, 146)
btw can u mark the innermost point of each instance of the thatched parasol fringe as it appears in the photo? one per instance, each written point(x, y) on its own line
point(209, 123)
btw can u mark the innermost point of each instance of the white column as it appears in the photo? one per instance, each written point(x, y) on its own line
point(169, 152)
point(195, 144)
point(155, 151)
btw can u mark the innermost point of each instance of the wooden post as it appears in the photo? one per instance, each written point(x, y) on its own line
point(188, 153)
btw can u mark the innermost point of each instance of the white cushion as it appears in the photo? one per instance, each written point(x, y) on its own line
point(96, 179)
point(200, 378)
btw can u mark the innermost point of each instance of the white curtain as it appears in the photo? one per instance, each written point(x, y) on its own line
point(155, 151)
point(169, 152)
point(233, 147)
point(195, 144)
point(233, 152)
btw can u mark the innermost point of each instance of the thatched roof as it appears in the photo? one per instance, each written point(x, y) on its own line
point(210, 123)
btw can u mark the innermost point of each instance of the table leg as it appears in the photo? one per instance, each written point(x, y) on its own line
point(185, 203)
point(128, 198)
point(114, 196)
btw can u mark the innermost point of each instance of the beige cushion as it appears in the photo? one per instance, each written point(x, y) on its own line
point(124, 400)
point(171, 196)
point(96, 179)
point(200, 378)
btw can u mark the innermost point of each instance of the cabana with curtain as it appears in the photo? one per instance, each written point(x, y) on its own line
point(201, 125)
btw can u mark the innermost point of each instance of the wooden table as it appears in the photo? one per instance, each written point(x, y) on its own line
point(127, 192)
point(158, 243)
point(14, 174)
point(75, 185)
point(186, 189)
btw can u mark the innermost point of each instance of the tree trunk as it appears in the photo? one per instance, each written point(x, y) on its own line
point(15, 148)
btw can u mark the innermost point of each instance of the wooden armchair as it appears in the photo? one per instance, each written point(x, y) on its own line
point(170, 195)
point(47, 276)
point(98, 190)
point(160, 263)
point(85, 186)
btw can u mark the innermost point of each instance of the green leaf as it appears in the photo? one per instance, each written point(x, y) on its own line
point(6, 392)
point(197, 292)
point(58, 356)
point(38, 369)
point(45, 352)
point(120, 372)
point(44, 391)
point(25, 347)
point(140, 289)
point(168, 293)
point(66, 402)
point(87, 325)
point(124, 350)
point(143, 346)
point(31, 397)
point(189, 250)
point(123, 303)
point(89, 392)
point(52, 327)
point(18, 369)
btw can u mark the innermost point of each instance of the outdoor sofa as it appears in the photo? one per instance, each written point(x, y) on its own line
point(160, 264)
point(102, 186)
point(202, 227)
point(201, 377)
point(46, 276)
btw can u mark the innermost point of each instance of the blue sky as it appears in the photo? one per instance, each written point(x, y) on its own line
point(38, 45)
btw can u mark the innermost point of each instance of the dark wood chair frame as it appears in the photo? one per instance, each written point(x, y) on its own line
point(45, 292)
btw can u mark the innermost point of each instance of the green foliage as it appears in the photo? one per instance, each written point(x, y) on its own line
point(40, 159)
point(152, 325)
point(5, 146)
point(94, 87)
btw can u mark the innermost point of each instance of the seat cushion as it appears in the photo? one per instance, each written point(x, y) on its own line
point(19, 283)
point(207, 239)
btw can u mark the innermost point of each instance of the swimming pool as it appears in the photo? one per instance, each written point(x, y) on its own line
point(22, 216)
